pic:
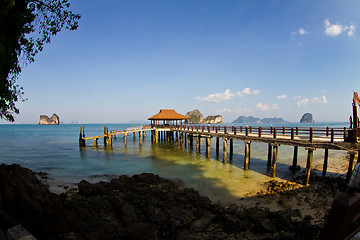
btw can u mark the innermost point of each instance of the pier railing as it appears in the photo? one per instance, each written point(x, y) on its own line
point(292, 133)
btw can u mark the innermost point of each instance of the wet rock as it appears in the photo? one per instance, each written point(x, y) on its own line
point(85, 188)
point(18, 232)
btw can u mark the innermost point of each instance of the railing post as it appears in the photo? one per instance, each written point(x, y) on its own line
point(292, 133)
point(274, 132)
point(311, 134)
point(327, 131)
point(241, 129)
point(225, 130)
point(271, 129)
point(332, 135)
point(246, 131)
point(260, 131)
point(297, 130)
point(283, 130)
point(344, 132)
point(216, 130)
point(234, 130)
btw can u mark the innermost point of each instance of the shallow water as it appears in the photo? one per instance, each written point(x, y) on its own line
point(55, 150)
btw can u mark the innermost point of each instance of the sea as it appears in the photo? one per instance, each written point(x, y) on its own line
point(55, 150)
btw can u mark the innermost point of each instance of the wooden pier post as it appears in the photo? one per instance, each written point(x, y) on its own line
point(81, 140)
point(110, 139)
point(185, 139)
point(351, 165)
point(181, 139)
point(231, 148)
point(269, 156)
point(95, 140)
point(140, 139)
point(274, 160)
point(224, 150)
point(217, 146)
point(134, 134)
point(190, 141)
point(295, 166)
point(208, 147)
point(308, 165)
point(198, 144)
point(247, 155)
point(124, 135)
point(326, 159)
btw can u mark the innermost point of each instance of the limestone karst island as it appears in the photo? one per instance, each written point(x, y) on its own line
point(53, 120)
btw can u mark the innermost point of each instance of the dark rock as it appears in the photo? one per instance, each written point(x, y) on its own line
point(202, 222)
point(264, 226)
point(23, 196)
point(85, 188)
point(141, 231)
point(128, 214)
point(18, 232)
point(307, 117)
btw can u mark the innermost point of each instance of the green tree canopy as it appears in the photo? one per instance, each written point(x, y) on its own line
point(25, 26)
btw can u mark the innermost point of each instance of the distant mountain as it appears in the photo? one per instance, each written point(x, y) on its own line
point(307, 117)
point(197, 117)
point(251, 119)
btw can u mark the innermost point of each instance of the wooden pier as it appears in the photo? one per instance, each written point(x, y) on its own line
point(184, 136)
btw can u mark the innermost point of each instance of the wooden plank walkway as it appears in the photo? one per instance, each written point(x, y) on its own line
point(309, 138)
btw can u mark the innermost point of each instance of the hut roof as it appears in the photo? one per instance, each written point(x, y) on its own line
point(168, 114)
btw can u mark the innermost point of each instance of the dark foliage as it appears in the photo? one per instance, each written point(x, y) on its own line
point(25, 26)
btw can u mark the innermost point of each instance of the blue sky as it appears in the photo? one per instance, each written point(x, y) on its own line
point(130, 58)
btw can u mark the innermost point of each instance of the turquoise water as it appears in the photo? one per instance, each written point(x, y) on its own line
point(55, 150)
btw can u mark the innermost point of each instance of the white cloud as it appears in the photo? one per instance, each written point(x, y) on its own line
point(224, 110)
point(319, 100)
point(235, 111)
point(351, 30)
point(303, 102)
point(282, 96)
point(217, 97)
point(315, 100)
point(265, 107)
point(302, 31)
point(247, 91)
point(336, 29)
point(296, 97)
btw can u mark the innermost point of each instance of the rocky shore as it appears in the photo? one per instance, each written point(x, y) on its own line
point(147, 206)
